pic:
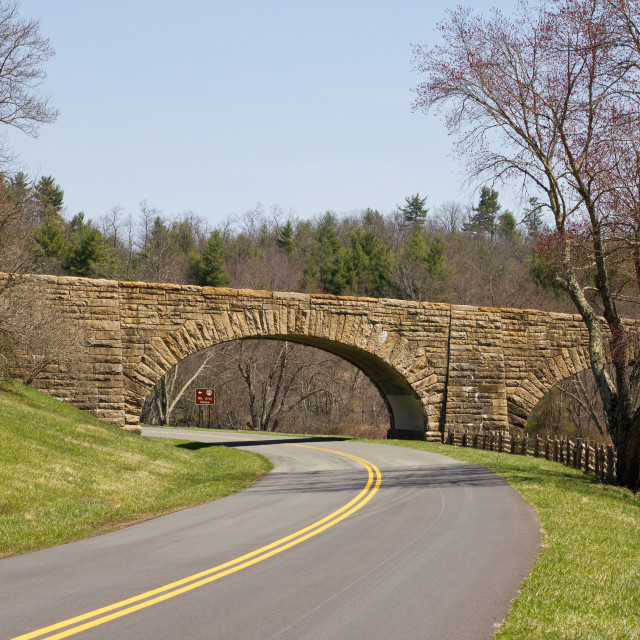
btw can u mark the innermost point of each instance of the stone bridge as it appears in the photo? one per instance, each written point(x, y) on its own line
point(436, 365)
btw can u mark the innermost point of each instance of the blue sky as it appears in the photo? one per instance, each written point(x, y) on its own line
point(212, 107)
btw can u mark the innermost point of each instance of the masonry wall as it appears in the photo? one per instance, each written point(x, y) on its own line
point(438, 365)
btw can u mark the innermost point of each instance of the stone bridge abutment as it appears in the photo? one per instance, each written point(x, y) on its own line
point(436, 365)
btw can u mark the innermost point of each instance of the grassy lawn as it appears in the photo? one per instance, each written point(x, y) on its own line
point(586, 581)
point(66, 475)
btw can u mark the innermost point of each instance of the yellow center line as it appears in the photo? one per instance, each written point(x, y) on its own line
point(160, 594)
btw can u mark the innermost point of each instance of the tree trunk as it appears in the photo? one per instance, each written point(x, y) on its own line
point(627, 444)
point(160, 399)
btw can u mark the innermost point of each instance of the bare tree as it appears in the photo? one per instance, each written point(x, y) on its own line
point(172, 386)
point(584, 408)
point(541, 97)
point(23, 51)
point(111, 223)
point(450, 215)
point(147, 215)
point(33, 337)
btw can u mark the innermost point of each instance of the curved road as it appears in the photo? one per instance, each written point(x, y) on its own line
point(363, 541)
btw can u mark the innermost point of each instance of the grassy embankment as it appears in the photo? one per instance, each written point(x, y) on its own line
point(65, 475)
point(586, 581)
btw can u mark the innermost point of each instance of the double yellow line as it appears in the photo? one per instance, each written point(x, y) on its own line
point(116, 610)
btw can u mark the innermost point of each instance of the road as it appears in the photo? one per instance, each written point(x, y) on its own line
point(342, 540)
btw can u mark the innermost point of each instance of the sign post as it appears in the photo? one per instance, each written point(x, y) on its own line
point(205, 397)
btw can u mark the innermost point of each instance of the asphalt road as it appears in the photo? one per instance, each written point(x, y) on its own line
point(368, 541)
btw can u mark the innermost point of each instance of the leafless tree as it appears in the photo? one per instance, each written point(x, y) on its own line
point(111, 223)
point(450, 215)
point(176, 382)
point(33, 337)
point(584, 406)
point(546, 96)
point(147, 215)
point(23, 52)
point(271, 269)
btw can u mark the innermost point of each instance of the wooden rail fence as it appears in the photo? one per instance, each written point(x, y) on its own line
point(599, 459)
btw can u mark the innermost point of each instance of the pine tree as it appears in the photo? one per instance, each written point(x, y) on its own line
point(19, 187)
point(49, 196)
point(285, 240)
point(367, 263)
point(532, 217)
point(507, 226)
point(208, 268)
point(86, 248)
point(414, 211)
point(325, 265)
point(483, 219)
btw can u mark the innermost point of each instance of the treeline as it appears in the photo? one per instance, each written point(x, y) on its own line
point(462, 254)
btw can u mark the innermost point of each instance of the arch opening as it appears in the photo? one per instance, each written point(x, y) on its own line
point(570, 408)
point(378, 398)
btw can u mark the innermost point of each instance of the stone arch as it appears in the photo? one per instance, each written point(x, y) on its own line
point(385, 358)
point(546, 373)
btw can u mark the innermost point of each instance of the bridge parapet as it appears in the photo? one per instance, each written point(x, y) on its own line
point(436, 365)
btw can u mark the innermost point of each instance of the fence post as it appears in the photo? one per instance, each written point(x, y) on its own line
point(536, 446)
point(500, 442)
point(586, 456)
point(609, 462)
point(546, 447)
point(577, 454)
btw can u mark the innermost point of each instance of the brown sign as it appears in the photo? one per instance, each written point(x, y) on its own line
point(205, 396)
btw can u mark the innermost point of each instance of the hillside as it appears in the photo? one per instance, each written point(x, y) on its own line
point(66, 475)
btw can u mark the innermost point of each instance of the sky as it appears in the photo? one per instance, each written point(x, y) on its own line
point(212, 107)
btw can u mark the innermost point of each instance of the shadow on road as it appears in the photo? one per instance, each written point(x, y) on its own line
point(258, 442)
point(330, 481)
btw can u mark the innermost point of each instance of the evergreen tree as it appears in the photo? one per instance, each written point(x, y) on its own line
point(532, 217)
point(86, 247)
point(419, 269)
point(367, 262)
point(285, 240)
point(51, 238)
point(208, 268)
point(507, 226)
point(414, 211)
point(483, 220)
point(20, 187)
point(434, 261)
point(182, 235)
point(326, 263)
point(48, 195)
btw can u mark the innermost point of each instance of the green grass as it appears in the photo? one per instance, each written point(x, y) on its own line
point(66, 475)
point(586, 581)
